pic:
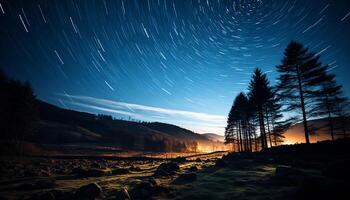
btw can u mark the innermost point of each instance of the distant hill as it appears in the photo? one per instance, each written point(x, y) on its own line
point(63, 126)
point(319, 130)
point(214, 137)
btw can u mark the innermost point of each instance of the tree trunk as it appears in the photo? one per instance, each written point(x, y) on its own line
point(331, 124)
point(262, 129)
point(306, 130)
point(268, 127)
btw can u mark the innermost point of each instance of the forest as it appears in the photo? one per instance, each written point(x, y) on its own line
point(305, 90)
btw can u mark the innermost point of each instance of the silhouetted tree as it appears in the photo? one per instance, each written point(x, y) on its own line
point(301, 74)
point(331, 102)
point(18, 111)
point(236, 129)
point(260, 94)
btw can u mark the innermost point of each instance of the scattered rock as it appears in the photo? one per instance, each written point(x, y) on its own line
point(185, 178)
point(220, 163)
point(154, 182)
point(147, 190)
point(95, 165)
point(117, 171)
point(193, 169)
point(136, 169)
point(88, 192)
point(123, 194)
point(166, 169)
point(91, 172)
point(180, 159)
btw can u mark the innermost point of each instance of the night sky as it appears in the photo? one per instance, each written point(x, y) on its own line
point(175, 61)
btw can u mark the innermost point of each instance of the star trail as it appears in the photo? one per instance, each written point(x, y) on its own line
point(175, 61)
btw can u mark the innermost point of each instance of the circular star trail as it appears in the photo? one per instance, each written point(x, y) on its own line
point(160, 60)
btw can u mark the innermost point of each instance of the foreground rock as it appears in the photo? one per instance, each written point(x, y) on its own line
point(167, 169)
point(123, 194)
point(185, 178)
point(81, 172)
point(148, 189)
point(88, 192)
point(118, 171)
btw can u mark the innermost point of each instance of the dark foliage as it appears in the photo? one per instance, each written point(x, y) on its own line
point(18, 112)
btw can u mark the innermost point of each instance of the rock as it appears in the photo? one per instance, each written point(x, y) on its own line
point(193, 169)
point(180, 159)
point(95, 165)
point(154, 182)
point(147, 190)
point(136, 169)
point(288, 171)
point(185, 178)
point(220, 163)
point(117, 171)
point(338, 169)
point(91, 172)
point(88, 192)
point(166, 169)
point(123, 194)
point(198, 160)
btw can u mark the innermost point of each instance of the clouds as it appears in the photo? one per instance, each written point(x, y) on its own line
point(197, 121)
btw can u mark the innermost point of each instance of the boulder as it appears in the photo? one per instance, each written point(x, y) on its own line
point(88, 192)
point(180, 159)
point(136, 169)
point(117, 171)
point(166, 169)
point(220, 163)
point(147, 190)
point(123, 194)
point(95, 165)
point(185, 178)
point(193, 169)
point(81, 172)
point(198, 160)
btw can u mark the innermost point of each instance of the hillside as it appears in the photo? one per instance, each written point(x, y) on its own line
point(214, 137)
point(319, 130)
point(62, 126)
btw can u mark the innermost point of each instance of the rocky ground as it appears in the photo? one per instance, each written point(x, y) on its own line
point(318, 171)
point(97, 178)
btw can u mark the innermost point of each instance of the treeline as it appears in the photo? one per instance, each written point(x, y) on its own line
point(18, 113)
point(305, 90)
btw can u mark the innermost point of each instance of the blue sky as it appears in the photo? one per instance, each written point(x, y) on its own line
point(179, 62)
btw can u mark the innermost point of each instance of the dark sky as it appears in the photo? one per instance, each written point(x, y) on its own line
point(176, 61)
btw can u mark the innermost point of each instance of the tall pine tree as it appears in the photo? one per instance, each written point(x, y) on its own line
point(301, 75)
point(331, 102)
point(260, 94)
